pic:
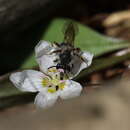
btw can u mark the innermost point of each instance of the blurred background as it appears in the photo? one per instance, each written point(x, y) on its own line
point(105, 101)
point(22, 23)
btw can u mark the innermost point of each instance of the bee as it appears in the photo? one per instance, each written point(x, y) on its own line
point(66, 50)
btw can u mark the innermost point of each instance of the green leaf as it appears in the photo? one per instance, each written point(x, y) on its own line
point(87, 39)
point(30, 62)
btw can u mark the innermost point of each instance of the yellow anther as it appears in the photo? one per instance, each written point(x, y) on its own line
point(62, 85)
point(54, 70)
point(51, 90)
point(45, 82)
point(55, 81)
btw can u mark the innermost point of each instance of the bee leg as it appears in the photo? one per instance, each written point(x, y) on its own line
point(56, 60)
point(76, 50)
point(86, 61)
point(82, 58)
point(56, 51)
point(56, 44)
point(72, 65)
point(51, 67)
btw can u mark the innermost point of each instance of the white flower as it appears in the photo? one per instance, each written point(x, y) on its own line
point(46, 59)
point(49, 87)
point(53, 82)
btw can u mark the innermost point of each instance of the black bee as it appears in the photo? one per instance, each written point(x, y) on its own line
point(66, 49)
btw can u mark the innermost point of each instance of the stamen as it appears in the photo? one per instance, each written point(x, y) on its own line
point(51, 90)
point(54, 70)
point(55, 81)
point(45, 82)
point(62, 85)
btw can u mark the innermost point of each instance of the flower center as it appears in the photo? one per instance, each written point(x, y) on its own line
point(54, 83)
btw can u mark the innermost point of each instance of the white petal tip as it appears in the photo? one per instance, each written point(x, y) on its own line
point(28, 80)
point(15, 78)
point(41, 45)
point(45, 100)
point(88, 57)
point(72, 90)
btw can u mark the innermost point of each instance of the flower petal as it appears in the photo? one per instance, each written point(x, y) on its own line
point(45, 100)
point(42, 48)
point(88, 60)
point(28, 80)
point(87, 57)
point(43, 55)
point(47, 61)
point(79, 64)
point(71, 90)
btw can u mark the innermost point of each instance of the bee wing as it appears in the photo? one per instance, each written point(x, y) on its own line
point(70, 30)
